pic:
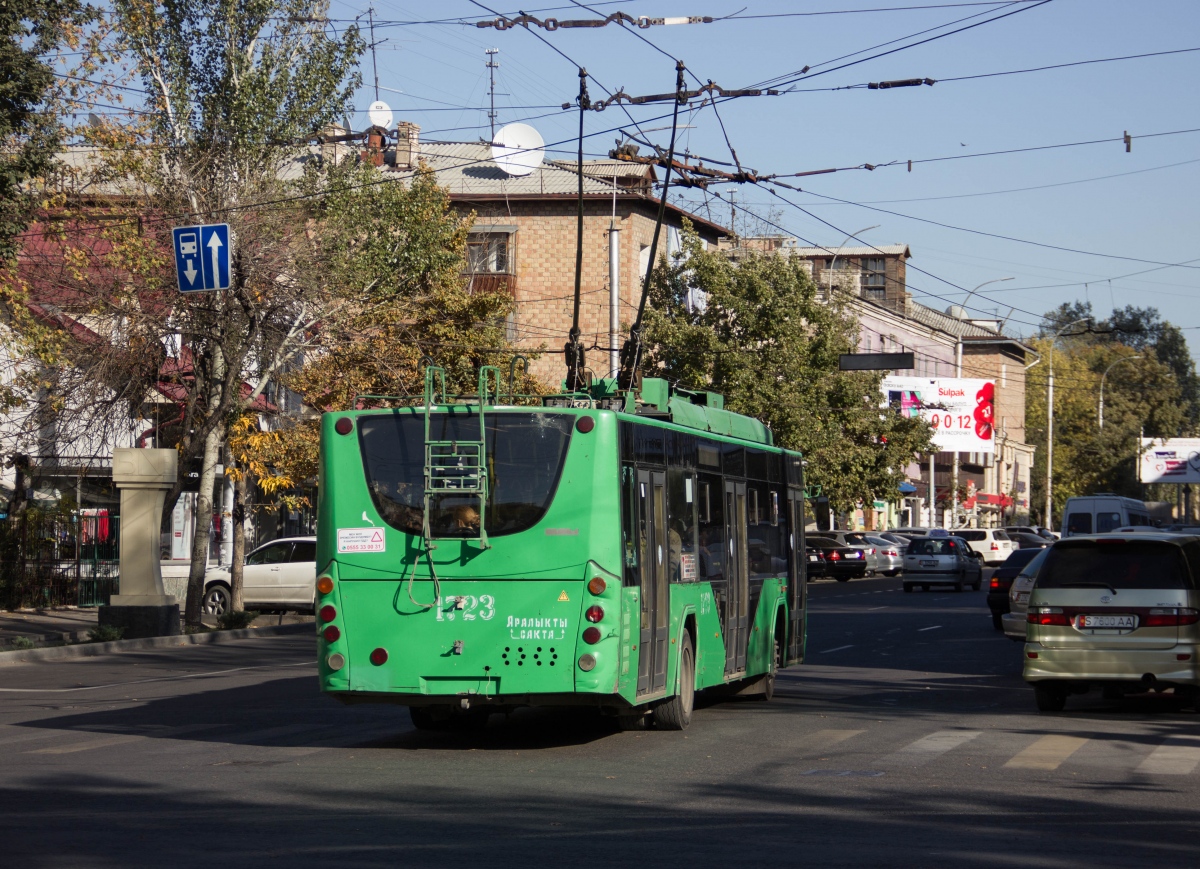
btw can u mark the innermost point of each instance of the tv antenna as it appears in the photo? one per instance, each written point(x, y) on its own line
point(492, 66)
point(518, 149)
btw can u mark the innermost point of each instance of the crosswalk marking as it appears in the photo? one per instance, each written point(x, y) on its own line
point(1047, 753)
point(1177, 756)
point(929, 747)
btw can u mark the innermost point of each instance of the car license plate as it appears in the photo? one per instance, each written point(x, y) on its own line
point(929, 564)
point(1095, 621)
point(814, 558)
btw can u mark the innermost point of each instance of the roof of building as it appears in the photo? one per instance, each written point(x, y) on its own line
point(946, 323)
point(860, 251)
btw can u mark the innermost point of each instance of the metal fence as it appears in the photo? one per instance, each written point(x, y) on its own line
point(59, 559)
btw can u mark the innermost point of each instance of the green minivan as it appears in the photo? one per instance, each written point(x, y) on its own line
point(1118, 613)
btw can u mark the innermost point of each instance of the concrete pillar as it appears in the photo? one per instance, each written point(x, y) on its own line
point(142, 609)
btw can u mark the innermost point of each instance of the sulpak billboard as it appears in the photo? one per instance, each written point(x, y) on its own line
point(1169, 460)
point(961, 411)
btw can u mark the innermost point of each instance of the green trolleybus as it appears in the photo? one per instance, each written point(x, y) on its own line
point(619, 550)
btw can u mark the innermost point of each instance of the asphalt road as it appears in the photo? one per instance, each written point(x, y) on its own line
point(907, 739)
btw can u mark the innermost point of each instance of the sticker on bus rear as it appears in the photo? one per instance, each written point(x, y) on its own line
point(361, 540)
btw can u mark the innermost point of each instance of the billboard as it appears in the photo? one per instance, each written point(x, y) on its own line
point(1169, 460)
point(962, 411)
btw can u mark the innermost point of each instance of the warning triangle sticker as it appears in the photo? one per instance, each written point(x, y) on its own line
point(563, 596)
point(377, 537)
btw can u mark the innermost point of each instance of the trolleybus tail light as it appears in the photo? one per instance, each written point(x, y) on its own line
point(344, 426)
point(328, 614)
point(379, 657)
point(325, 584)
point(331, 634)
point(591, 636)
point(587, 662)
point(585, 424)
point(597, 585)
point(1047, 615)
point(336, 661)
point(594, 613)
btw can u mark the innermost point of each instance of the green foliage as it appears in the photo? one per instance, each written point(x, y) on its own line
point(29, 31)
point(105, 634)
point(766, 342)
point(233, 621)
point(21, 643)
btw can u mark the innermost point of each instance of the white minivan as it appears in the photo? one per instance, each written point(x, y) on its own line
point(1102, 513)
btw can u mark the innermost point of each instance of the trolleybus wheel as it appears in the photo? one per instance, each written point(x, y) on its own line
point(676, 713)
point(768, 683)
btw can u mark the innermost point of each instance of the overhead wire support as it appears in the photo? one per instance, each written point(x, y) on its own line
point(621, 18)
point(712, 89)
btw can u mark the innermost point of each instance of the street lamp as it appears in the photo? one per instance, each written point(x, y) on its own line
point(1050, 421)
point(838, 253)
point(1103, 376)
point(958, 373)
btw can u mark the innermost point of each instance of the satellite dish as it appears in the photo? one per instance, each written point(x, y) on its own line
point(380, 114)
point(518, 149)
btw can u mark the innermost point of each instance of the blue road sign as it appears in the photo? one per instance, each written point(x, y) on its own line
point(202, 255)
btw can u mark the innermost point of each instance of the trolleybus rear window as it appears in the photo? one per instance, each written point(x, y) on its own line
point(525, 455)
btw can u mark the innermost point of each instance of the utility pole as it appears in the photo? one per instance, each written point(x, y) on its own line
point(374, 65)
point(492, 66)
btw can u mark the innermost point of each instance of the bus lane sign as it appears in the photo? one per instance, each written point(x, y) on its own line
point(361, 540)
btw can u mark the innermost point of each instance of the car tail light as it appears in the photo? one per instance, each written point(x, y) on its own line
point(325, 584)
point(892, 552)
point(597, 585)
point(1047, 615)
point(995, 546)
point(379, 657)
point(1170, 617)
point(328, 614)
point(591, 636)
point(835, 556)
point(994, 584)
point(594, 614)
point(331, 634)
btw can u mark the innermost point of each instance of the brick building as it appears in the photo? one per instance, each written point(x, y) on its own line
point(524, 238)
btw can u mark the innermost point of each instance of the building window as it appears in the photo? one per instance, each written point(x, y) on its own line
point(489, 253)
point(874, 278)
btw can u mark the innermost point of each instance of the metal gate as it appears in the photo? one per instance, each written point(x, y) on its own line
point(54, 559)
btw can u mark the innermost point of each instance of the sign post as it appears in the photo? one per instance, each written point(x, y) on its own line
point(202, 257)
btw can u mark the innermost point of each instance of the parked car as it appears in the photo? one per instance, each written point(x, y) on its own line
point(1025, 540)
point(816, 562)
point(992, 543)
point(1116, 613)
point(1014, 621)
point(855, 540)
point(278, 575)
point(1001, 581)
point(911, 532)
point(889, 557)
point(1045, 533)
point(899, 539)
point(842, 563)
point(942, 561)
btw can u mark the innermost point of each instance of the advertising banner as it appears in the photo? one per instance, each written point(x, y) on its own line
point(1169, 460)
point(962, 411)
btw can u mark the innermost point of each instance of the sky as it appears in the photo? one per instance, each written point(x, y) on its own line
point(1088, 222)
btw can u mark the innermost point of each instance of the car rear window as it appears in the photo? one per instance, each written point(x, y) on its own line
point(967, 534)
point(1000, 535)
point(1118, 564)
point(1020, 558)
point(933, 546)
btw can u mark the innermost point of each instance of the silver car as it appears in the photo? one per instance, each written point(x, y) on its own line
point(1014, 621)
point(942, 560)
point(889, 558)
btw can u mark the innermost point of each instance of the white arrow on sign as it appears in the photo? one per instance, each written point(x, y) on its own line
point(191, 272)
point(214, 244)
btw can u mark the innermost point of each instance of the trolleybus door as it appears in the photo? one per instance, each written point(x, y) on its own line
point(656, 609)
point(797, 578)
point(737, 617)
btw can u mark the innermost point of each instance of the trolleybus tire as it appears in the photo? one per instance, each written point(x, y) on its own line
point(676, 713)
point(768, 683)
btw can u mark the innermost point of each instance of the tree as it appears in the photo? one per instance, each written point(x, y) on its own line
point(30, 31)
point(762, 339)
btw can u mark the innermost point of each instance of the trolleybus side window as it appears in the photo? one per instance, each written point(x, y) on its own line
point(630, 534)
point(681, 521)
point(711, 504)
point(525, 454)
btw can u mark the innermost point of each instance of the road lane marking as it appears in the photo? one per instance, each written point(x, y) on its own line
point(933, 628)
point(838, 649)
point(1177, 756)
point(1047, 753)
point(165, 732)
point(932, 746)
point(872, 609)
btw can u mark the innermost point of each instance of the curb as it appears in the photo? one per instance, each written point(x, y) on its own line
point(91, 650)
